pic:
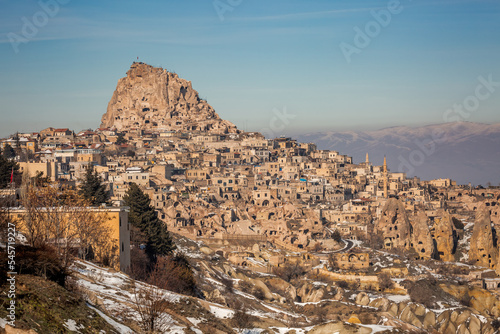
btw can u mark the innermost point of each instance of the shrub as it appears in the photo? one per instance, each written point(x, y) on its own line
point(289, 272)
point(241, 319)
point(343, 284)
point(424, 291)
point(228, 283)
point(385, 282)
point(336, 236)
point(43, 261)
point(175, 274)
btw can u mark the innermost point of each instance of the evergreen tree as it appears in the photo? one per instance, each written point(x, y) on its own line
point(92, 188)
point(143, 216)
point(6, 167)
point(121, 139)
point(8, 152)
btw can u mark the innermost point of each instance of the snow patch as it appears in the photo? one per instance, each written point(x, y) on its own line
point(221, 313)
point(122, 329)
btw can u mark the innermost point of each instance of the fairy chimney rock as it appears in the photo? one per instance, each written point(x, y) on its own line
point(445, 236)
point(421, 238)
point(394, 225)
point(482, 251)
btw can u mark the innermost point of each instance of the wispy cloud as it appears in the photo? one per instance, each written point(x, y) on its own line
point(303, 15)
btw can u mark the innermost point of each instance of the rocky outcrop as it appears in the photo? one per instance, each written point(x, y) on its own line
point(421, 238)
point(394, 225)
point(445, 236)
point(338, 327)
point(153, 98)
point(12, 330)
point(310, 293)
point(362, 299)
point(482, 251)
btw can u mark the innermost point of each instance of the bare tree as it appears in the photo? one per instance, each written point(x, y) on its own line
point(63, 219)
point(152, 305)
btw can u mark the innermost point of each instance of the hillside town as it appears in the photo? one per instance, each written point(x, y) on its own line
point(366, 235)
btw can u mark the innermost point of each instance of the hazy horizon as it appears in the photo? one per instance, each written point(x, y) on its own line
point(411, 62)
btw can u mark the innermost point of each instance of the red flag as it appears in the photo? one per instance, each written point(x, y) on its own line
point(12, 175)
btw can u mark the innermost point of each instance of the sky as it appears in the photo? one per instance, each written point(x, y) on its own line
point(280, 67)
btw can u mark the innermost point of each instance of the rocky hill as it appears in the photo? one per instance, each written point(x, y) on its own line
point(462, 151)
point(153, 98)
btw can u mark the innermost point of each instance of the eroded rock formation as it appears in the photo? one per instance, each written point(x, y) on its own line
point(482, 251)
point(394, 225)
point(421, 239)
point(445, 236)
point(153, 98)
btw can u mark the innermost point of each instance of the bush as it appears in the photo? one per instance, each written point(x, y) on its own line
point(140, 265)
point(385, 282)
point(343, 284)
point(43, 262)
point(424, 291)
point(174, 273)
point(241, 319)
point(289, 271)
point(336, 236)
point(228, 283)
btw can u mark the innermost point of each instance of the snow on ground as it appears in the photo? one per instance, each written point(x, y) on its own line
point(71, 325)
point(256, 262)
point(465, 241)
point(221, 313)
point(115, 292)
point(195, 321)
point(398, 298)
point(284, 330)
point(377, 328)
point(250, 331)
point(122, 329)
point(190, 253)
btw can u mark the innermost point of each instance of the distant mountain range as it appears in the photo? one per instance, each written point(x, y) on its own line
point(463, 151)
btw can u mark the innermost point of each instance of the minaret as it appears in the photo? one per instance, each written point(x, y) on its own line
point(367, 162)
point(385, 177)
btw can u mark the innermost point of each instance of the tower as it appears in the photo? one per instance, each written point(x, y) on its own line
point(385, 177)
point(367, 162)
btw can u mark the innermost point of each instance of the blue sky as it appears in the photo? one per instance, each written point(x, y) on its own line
point(263, 56)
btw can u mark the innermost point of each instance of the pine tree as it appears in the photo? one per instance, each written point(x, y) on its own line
point(143, 216)
point(92, 188)
point(8, 152)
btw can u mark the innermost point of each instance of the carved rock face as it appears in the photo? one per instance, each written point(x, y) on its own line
point(482, 251)
point(394, 225)
point(421, 238)
point(445, 236)
point(153, 98)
